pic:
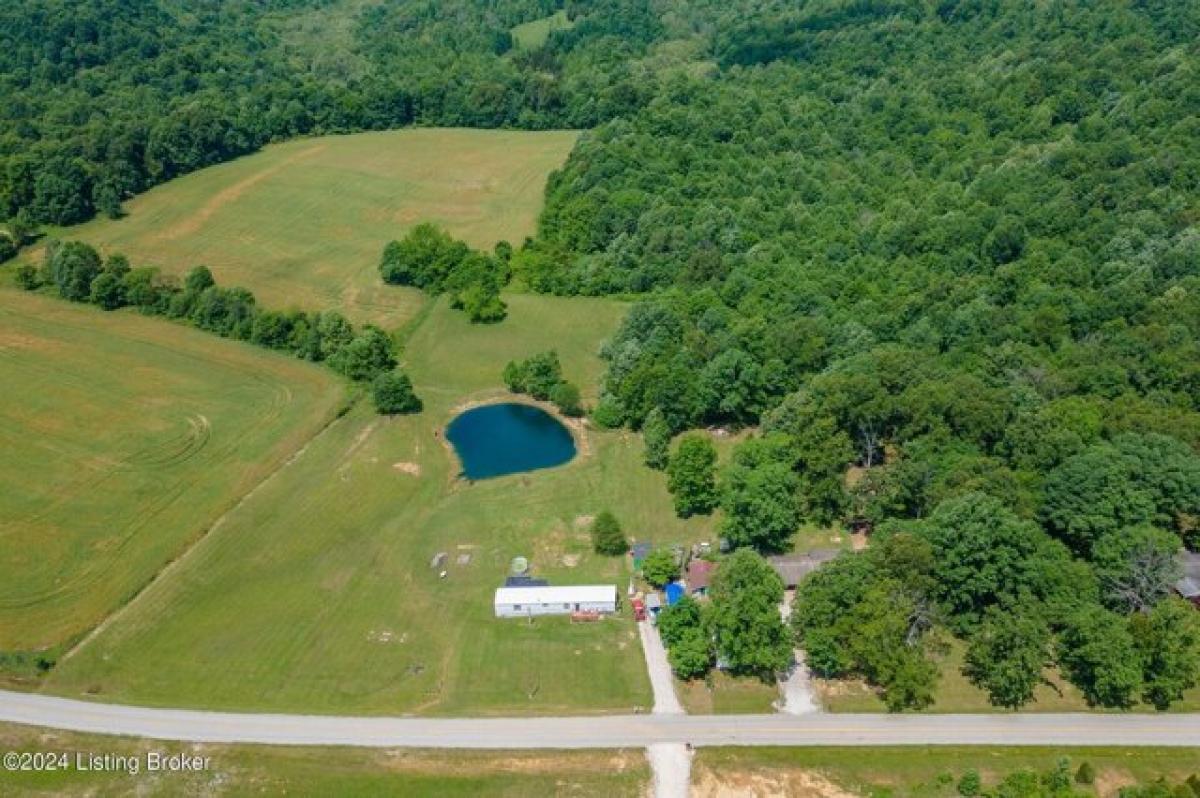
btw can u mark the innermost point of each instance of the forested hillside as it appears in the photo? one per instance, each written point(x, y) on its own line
point(102, 99)
point(956, 246)
point(967, 232)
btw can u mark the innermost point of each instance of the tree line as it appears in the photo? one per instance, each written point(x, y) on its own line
point(77, 272)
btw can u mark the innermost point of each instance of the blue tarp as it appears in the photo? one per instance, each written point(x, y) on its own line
point(674, 593)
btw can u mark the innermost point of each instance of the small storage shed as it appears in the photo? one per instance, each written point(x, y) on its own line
point(527, 601)
point(699, 575)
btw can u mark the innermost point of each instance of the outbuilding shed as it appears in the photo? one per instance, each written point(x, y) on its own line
point(699, 576)
point(530, 600)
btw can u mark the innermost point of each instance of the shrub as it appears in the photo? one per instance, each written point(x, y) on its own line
point(567, 399)
point(969, 785)
point(27, 277)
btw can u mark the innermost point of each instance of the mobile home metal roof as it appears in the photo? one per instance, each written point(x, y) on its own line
point(557, 594)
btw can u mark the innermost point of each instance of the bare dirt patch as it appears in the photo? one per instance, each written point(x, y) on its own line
point(412, 469)
point(1109, 782)
point(738, 784)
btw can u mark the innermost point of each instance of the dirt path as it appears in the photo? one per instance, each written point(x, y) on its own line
point(671, 764)
point(661, 680)
point(232, 193)
point(798, 697)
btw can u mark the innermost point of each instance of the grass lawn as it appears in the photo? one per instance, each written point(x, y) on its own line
point(918, 771)
point(532, 35)
point(956, 694)
point(302, 224)
point(317, 593)
point(722, 694)
point(277, 770)
point(123, 438)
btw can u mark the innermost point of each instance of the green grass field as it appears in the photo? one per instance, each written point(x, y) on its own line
point(532, 35)
point(278, 770)
point(317, 593)
point(919, 771)
point(302, 224)
point(122, 438)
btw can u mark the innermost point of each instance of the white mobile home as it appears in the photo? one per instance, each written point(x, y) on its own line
point(522, 602)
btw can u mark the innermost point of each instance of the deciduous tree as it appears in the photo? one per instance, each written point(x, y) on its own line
point(690, 476)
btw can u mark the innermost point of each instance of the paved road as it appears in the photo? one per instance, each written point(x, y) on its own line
point(614, 731)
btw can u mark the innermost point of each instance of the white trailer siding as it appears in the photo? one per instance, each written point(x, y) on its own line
point(522, 602)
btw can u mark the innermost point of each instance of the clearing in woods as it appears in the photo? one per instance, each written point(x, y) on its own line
point(121, 439)
point(532, 35)
point(317, 594)
point(302, 224)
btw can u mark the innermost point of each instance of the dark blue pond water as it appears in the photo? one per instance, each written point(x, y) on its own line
point(494, 440)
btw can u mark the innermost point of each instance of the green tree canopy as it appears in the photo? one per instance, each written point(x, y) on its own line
point(660, 567)
point(607, 537)
point(392, 392)
point(1097, 653)
point(657, 437)
point(1168, 642)
point(1007, 655)
point(1136, 567)
point(748, 632)
point(690, 476)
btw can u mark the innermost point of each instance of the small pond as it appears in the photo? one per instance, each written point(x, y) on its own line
point(494, 440)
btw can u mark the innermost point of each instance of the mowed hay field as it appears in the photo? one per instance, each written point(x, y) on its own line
point(302, 224)
point(121, 439)
point(296, 770)
point(317, 594)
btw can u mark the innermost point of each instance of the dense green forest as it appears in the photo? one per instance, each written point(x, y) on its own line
point(102, 99)
point(944, 257)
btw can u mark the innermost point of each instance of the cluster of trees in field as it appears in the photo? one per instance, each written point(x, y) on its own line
point(103, 98)
point(430, 259)
point(77, 272)
point(540, 376)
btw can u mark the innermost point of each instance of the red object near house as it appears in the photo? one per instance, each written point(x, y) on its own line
point(585, 615)
point(639, 609)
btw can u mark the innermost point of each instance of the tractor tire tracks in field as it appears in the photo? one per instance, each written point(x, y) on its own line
point(183, 556)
